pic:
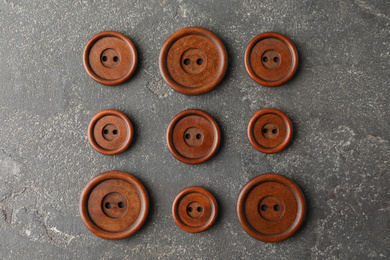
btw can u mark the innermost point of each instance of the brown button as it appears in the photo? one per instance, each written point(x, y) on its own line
point(114, 205)
point(271, 207)
point(110, 132)
point(269, 130)
point(271, 59)
point(193, 61)
point(194, 209)
point(193, 136)
point(110, 58)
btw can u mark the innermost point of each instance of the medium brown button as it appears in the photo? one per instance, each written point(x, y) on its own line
point(269, 130)
point(193, 61)
point(110, 58)
point(271, 207)
point(114, 205)
point(271, 59)
point(194, 209)
point(193, 136)
point(110, 132)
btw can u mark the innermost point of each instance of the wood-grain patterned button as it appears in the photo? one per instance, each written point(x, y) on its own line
point(193, 136)
point(110, 132)
point(114, 205)
point(194, 209)
point(269, 130)
point(193, 61)
point(271, 207)
point(110, 58)
point(271, 59)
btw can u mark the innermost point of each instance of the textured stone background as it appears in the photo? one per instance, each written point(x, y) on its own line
point(338, 102)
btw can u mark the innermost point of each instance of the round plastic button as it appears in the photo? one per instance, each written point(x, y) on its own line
point(193, 61)
point(114, 205)
point(271, 59)
point(269, 130)
point(110, 132)
point(194, 209)
point(193, 136)
point(110, 58)
point(271, 207)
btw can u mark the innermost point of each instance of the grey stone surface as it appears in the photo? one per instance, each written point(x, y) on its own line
point(338, 102)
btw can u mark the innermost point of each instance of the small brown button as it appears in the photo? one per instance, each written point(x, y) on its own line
point(114, 205)
point(193, 136)
point(194, 209)
point(269, 130)
point(271, 59)
point(193, 61)
point(110, 58)
point(271, 207)
point(110, 132)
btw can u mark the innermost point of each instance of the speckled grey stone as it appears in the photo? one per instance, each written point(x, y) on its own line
point(338, 102)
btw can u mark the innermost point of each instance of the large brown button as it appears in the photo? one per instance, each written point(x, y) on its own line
point(271, 207)
point(269, 130)
point(114, 205)
point(193, 136)
point(110, 132)
point(110, 58)
point(193, 61)
point(271, 59)
point(194, 209)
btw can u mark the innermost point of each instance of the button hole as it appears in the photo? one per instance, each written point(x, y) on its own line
point(265, 59)
point(115, 132)
point(188, 136)
point(198, 136)
point(265, 130)
point(105, 131)
point(108, 205)
point(277, 207)
point(274, 131)
point(190, 209)
point(115, 58)
point(121, 204)
point(199, 209)
point(276, 59)
point(199, 61)
point(187, 62)
point(264, 207)
point(104, 58)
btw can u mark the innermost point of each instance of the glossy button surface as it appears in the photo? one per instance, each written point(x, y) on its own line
point(269, 130)
point(110, 58)
point(271, 59)
point(110, 132)
point(114, 205)
point(194, 209)
point(193, 61)
point(271, 207)
point(193, 136)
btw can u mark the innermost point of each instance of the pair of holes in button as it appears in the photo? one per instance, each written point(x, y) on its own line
point(195, 209)
point(193, 136)
point(270, 59)
point(110, 132)
point(188, 61)
point(114, 205)
point(108, 205)
point(265, 207)
point(110, 58)
point(270, 131)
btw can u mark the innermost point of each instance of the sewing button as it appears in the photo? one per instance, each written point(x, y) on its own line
point(271, 59)
point(193, 136)
point(110, 58)
point(269, 130)
point(194, 209)
point(271, 207)
point(110, 132)
point(114, 205)
point(193, 61)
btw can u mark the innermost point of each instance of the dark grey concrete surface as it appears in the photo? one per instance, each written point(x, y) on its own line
point(338, 102)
